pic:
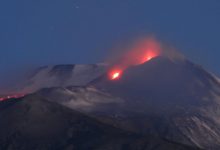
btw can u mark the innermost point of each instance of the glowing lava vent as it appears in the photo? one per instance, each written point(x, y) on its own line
point(114, 75)
point(148, 56)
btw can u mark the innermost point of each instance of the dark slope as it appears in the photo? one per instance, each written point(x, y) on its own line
point(178, 99)
point(165, 81)
point(37, 124)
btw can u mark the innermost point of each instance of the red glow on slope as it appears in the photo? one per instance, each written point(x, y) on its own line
point(148, 56)
point(3, 98)
point(142, 51)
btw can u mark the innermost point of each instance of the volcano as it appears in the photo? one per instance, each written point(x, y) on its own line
point(170, 98)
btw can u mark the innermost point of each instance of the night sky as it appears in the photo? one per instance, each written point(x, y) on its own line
point(41, 32)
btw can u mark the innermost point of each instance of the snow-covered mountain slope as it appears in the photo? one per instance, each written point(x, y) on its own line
point(175, 99)
point(33, 123)
point(62, 76)
point(82, 98)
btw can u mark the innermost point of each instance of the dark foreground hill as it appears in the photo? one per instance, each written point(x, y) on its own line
point(33, 123)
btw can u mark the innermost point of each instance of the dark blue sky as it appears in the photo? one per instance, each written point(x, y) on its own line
point(39, 32)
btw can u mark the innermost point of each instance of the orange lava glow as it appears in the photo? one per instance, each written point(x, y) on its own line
point(150, 55)
point(115, 74)
point(147, 57)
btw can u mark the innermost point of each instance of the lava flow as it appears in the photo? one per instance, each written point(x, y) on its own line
point(3, 98)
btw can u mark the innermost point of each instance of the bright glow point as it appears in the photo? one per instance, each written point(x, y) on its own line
point(149, 58)
point(115, 75)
